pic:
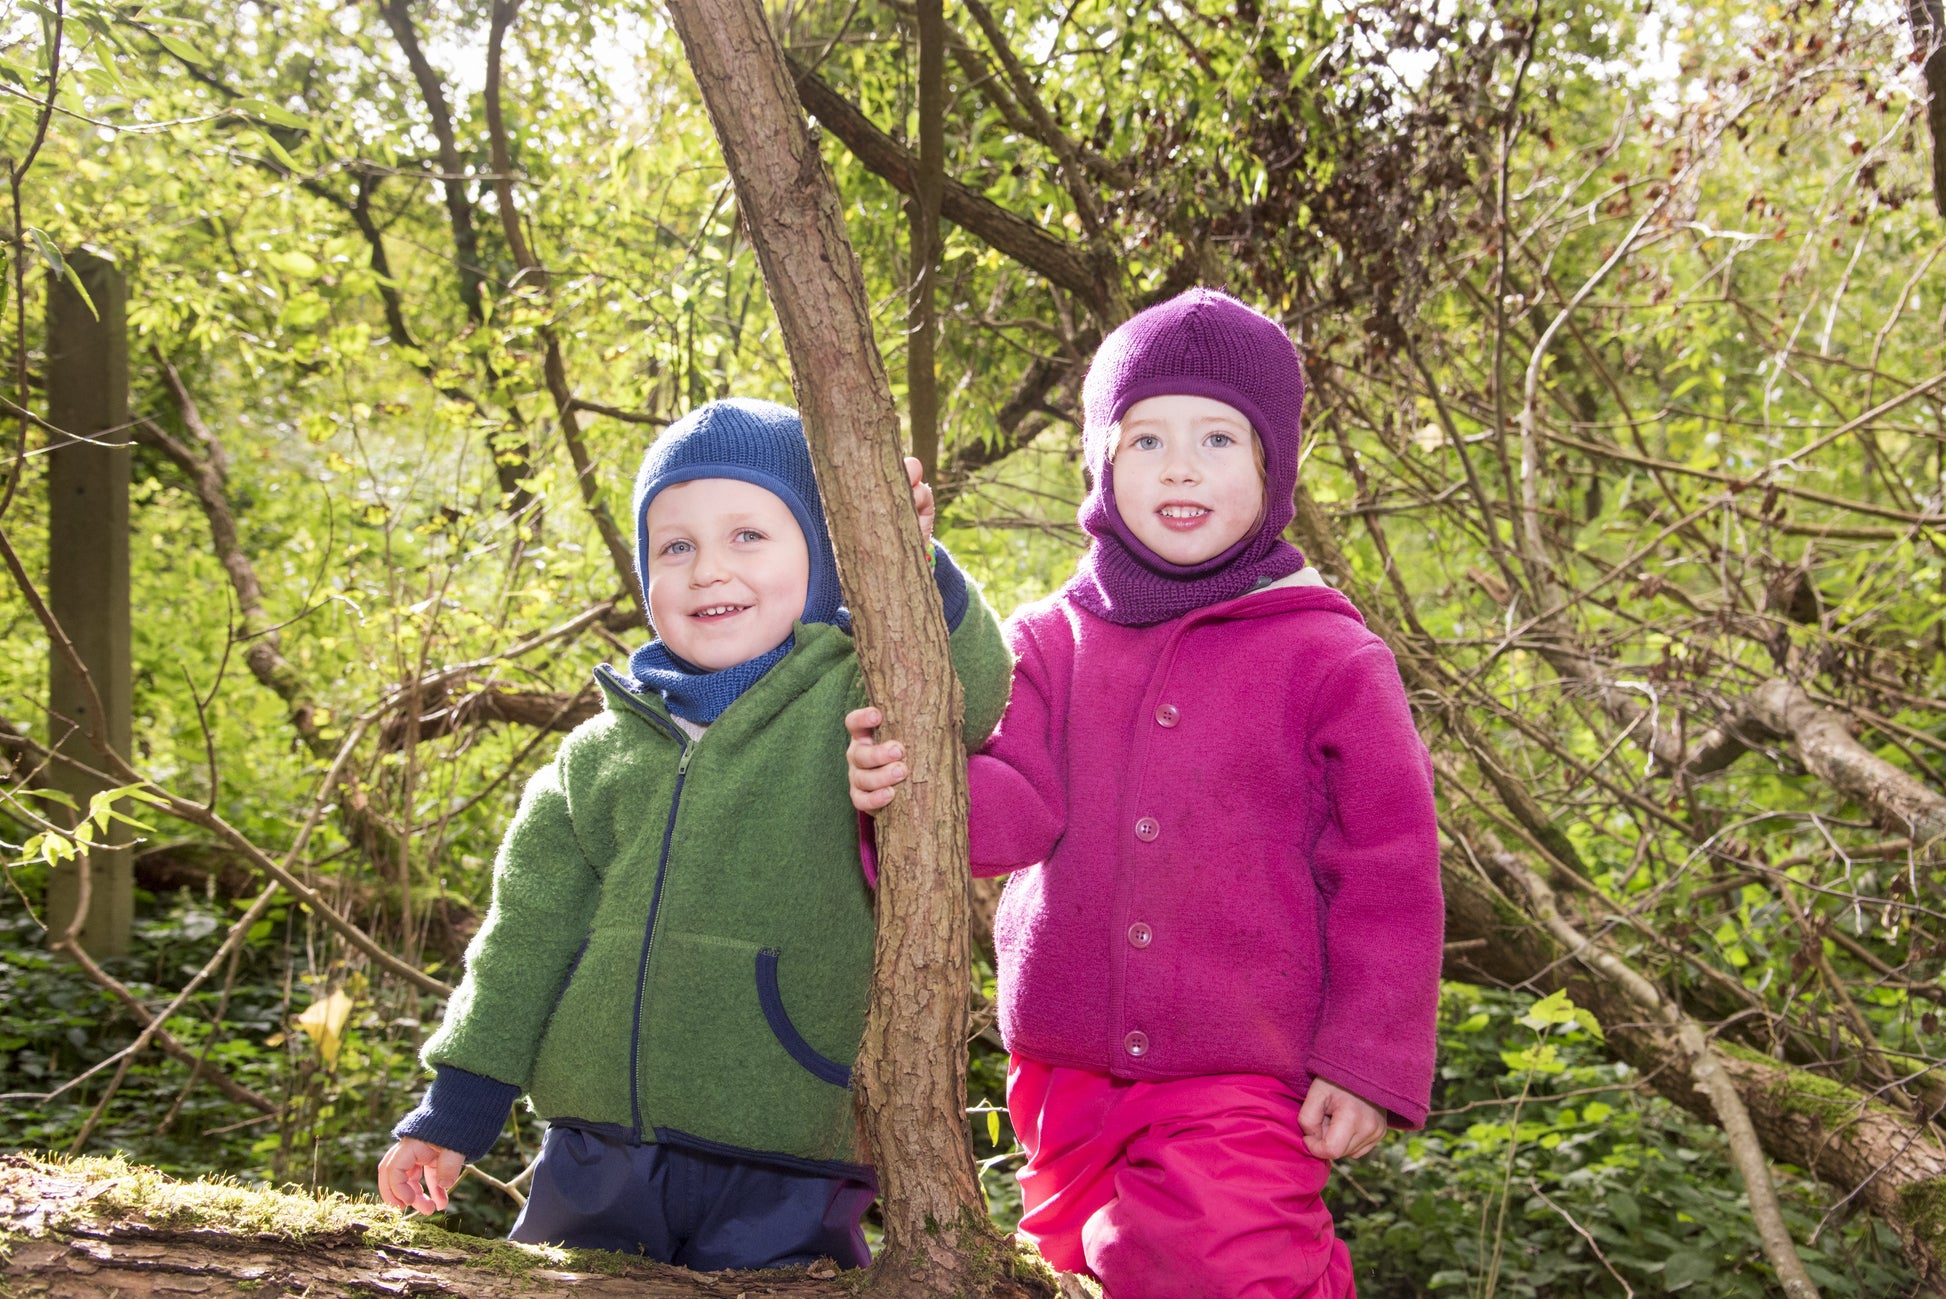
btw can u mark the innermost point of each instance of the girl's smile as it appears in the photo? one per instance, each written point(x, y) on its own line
point(1188, 478)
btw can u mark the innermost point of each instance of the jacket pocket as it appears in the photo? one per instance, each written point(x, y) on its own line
point(771, 998)
point(713, 1064)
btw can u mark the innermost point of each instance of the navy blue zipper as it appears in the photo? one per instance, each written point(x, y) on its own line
point(687, 748)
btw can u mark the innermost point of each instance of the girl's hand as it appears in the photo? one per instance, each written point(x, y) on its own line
point(411, 1162)
point(1338, 1125)
point(874, 768)
point(921, 496)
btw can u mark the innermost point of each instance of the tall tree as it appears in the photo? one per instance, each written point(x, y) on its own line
point(912, 1083)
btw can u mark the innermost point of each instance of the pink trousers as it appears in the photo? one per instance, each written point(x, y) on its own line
point(1197, 1188)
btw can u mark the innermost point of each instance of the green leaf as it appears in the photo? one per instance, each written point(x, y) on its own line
point(299, 265)
point(993, 1128)
point(1555, 1008)
point(264, 110)
point(1687, 1268)
point(51, 254)
point(278, 151)
point(181, 48)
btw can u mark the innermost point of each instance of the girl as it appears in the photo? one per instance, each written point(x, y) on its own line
point(1219, 954)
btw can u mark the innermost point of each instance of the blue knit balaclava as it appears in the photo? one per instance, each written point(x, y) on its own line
point(757, 442)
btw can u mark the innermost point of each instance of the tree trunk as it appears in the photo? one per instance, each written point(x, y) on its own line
point(910, 1073)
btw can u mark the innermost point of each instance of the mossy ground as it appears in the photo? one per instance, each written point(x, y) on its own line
point(1924, 1207)
point(125, 1192)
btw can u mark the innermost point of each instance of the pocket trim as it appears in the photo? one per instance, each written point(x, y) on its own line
point(771, 998)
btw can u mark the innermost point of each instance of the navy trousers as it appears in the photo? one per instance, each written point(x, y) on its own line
point(707, 1212)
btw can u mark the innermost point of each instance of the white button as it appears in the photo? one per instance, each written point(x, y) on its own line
point(1136, 1044)
point(1147, 829)
point(1140, 935)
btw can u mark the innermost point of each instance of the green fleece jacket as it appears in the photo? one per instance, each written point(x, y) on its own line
point(680, 939)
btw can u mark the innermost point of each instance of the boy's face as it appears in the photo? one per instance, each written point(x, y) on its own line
point(1188, 479)
point(728, 570)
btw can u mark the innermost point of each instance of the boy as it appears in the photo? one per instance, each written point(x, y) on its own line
point(677, 959)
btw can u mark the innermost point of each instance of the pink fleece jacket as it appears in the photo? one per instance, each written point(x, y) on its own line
point(1224, 839)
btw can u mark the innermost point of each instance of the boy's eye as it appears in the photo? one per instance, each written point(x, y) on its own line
point(749, 534)
point(675, 548)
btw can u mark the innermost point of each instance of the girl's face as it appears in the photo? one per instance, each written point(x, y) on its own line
point(728, 571)
point(1188, 480)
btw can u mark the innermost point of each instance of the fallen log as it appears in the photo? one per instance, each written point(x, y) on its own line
point(104, 1229)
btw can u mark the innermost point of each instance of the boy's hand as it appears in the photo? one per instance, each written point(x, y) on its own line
point(874, 768)
point(1336, 1124)
point(410, 1162)
point(921, 496)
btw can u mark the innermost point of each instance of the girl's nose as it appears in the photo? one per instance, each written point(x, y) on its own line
point(1179, 466)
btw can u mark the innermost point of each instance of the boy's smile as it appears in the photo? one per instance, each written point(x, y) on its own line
point(729, 571)
point(1188, 482)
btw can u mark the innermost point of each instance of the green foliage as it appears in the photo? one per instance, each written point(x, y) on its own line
point(333, 1118)
point(1532, 1119)
point(1708, 488)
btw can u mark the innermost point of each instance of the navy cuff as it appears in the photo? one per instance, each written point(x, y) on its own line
point(953, 595)
point(461, 1111)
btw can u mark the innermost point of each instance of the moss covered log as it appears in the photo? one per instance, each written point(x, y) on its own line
point(105, 1229)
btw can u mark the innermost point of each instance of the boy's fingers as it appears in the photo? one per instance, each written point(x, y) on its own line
point(870, 800)
point(861, 722)
point(863, 755)
point(912, 470)
point(871, 779)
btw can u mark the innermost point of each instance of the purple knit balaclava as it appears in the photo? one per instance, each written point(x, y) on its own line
point(1199, 344)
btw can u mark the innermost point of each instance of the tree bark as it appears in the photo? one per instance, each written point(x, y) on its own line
point(1928, 20)
point(922, 375)
point(911, 1076)
point(1900, 803)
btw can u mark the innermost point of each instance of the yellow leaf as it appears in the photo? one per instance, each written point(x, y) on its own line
point(324, 1023)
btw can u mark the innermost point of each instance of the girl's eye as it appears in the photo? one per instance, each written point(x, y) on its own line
point(1146, 442)
point(1219, 440)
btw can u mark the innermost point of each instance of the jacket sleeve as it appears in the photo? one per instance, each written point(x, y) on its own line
point(1017, 786)
point(544, 895)
point(1376, 868)
point(980, 655)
